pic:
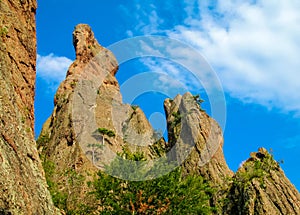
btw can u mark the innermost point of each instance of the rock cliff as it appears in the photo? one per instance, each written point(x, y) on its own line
point(90, 124)
point(191, 128)
point(23, 188)
point(261, 187)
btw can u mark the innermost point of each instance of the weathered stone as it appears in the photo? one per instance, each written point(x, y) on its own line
point(89, 99)
point(261, 187)
point(23, 188)
point(198, 139)
point(89, 102)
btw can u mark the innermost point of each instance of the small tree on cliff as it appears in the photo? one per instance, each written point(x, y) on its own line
point(105, 132)
point(94, 147)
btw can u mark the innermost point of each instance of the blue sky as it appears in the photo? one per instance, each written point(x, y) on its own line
point(253, 46)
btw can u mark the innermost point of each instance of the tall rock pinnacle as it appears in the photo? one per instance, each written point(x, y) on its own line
point(88, 99)
point(85, 44)
point(197, 129)
point(261, 187)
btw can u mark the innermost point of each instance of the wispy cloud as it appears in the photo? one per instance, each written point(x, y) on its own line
point(149, 17)
point(254, 46)
point(52, 68)
point(170, 76)
point(291, 142)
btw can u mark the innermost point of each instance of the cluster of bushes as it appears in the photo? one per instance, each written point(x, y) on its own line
point(169, 194)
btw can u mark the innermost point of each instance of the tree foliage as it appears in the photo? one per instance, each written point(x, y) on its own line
point(169, 194)
point(105, 131)
point(198, 100)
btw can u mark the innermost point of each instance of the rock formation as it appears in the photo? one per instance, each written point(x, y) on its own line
point(90, 124)
point(191, 128)
point(23, 188)
point(87, 102)
point(261, 187)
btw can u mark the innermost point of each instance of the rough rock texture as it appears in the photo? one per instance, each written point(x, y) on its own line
point(260, 187)
point(197, 138)
point(58, 145)
point(23, 189)
point(90, 124)
point(89, 99)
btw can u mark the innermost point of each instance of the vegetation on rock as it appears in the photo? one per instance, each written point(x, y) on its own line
point(169, 194)
point(203, 184)
point(107, 132)
point(256, 186)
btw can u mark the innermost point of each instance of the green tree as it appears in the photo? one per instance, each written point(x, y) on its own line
point(105, 132)
point(94, 147)
point(169, 194)
point(198, 100)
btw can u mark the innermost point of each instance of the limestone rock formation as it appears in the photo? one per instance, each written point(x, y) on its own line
point(261, 187)
point(23, 188)
point(197, 138)
point(90, 124)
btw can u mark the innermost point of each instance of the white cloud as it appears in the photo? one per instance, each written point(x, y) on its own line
point(253, 45)
point(254, 48)
point(171, 78)
point(52, 68)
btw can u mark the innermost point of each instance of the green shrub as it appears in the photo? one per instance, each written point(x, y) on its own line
point(177, 118)
point(59, 198)
point(198, 100)
point(105, 131)
point(43, 140)
point(134, 107)
point(169, 194)
point(3, 31)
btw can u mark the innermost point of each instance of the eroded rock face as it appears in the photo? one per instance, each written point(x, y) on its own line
point(261, 187)
point(89, 99)
point(90, 124)
point(23, 188)
point(197, 137)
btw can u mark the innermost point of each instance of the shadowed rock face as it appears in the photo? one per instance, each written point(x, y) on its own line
point(23, 188)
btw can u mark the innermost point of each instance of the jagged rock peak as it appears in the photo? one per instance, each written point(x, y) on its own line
point(84, 42)
point(261, 187)
point(88, 99)
point(92, 60)
point(189, 125)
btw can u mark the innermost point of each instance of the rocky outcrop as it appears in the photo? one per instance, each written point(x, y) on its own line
point(261, 187)
point(23, 188)
point(59, 144)
point(197, 138)
point(90, 124)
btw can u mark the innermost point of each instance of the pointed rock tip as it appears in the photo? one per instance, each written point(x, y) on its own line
point(262, 152)
point(84, 41)
point(187, 94)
